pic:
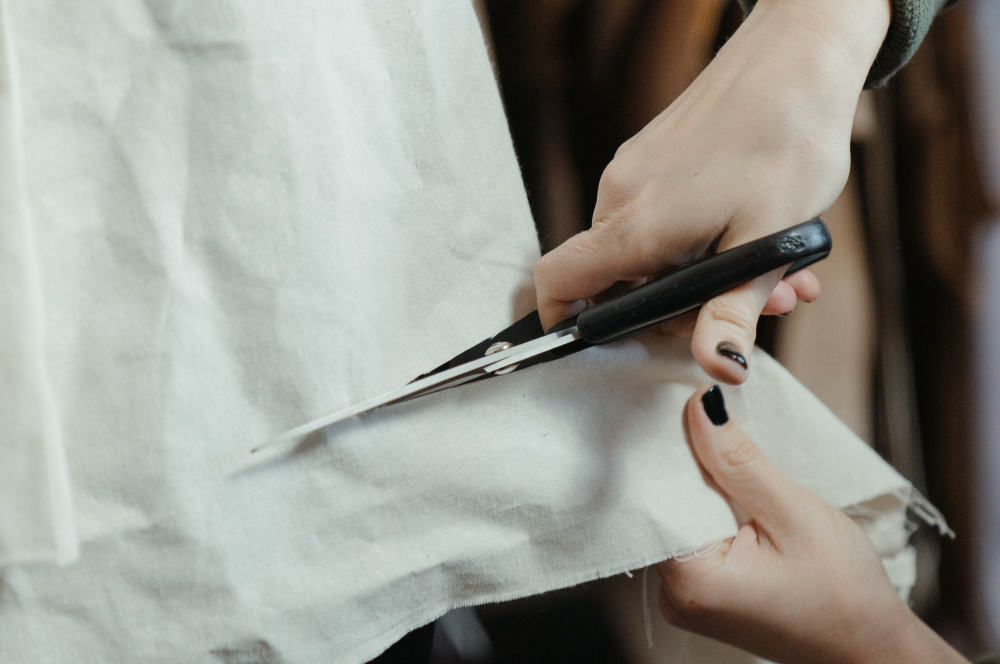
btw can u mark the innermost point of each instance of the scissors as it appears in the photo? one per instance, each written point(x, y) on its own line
point(526, 343)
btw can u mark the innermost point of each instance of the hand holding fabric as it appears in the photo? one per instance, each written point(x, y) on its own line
point(800, 582)
point(760, 141)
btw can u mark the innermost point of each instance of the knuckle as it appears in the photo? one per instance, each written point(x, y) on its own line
point(740, 452)
point(734, 316)
point(612, 177)
point(614, 231)
point(543, 267)
point(624, 147)
point(544, 271)
point(615, 189)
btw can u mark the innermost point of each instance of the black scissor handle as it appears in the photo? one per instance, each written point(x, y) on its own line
point(693, 285)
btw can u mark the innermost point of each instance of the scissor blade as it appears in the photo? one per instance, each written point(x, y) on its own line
point(481, 367)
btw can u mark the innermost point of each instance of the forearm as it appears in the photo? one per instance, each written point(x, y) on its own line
point(910, 21)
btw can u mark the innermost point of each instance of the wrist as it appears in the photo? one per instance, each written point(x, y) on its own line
point(842, 36)
point(906, 638)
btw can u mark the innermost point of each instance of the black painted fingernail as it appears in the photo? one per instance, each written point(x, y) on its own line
point(715, 406)
point(729, 351)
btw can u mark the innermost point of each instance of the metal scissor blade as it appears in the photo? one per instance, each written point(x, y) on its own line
point(489, 365)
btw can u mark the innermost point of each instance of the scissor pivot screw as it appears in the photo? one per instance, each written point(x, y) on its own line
point(496, 348)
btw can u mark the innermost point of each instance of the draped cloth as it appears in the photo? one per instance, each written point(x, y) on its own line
point(224, 219)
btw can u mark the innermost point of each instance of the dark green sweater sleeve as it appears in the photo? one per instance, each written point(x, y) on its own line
point(910, 21)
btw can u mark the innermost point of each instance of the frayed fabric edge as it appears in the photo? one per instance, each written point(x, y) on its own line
point(368, 653)
point(919, 511)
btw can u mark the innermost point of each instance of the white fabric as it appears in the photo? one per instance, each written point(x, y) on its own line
point(244, 215)
point(35, 513)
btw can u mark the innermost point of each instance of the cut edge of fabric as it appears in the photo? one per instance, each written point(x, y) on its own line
point(917, 512)
point(916, 508)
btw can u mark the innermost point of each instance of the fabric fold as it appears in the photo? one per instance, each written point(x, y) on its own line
point(36, 516)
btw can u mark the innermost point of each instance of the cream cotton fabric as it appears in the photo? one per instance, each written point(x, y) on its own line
point(35, 513)
point(229, 217)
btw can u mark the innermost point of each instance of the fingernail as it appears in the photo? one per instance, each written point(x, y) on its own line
point(715, 406)
point(729, 351)
point(785, 315)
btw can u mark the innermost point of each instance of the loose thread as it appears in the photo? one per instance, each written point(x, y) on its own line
point(646, 618)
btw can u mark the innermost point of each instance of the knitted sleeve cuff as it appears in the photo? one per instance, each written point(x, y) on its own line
point(911, 19)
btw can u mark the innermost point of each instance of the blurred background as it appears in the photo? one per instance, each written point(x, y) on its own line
point(903, 345)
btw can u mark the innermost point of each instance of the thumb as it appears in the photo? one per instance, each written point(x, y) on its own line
point(741, 470)
point(724, 334)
